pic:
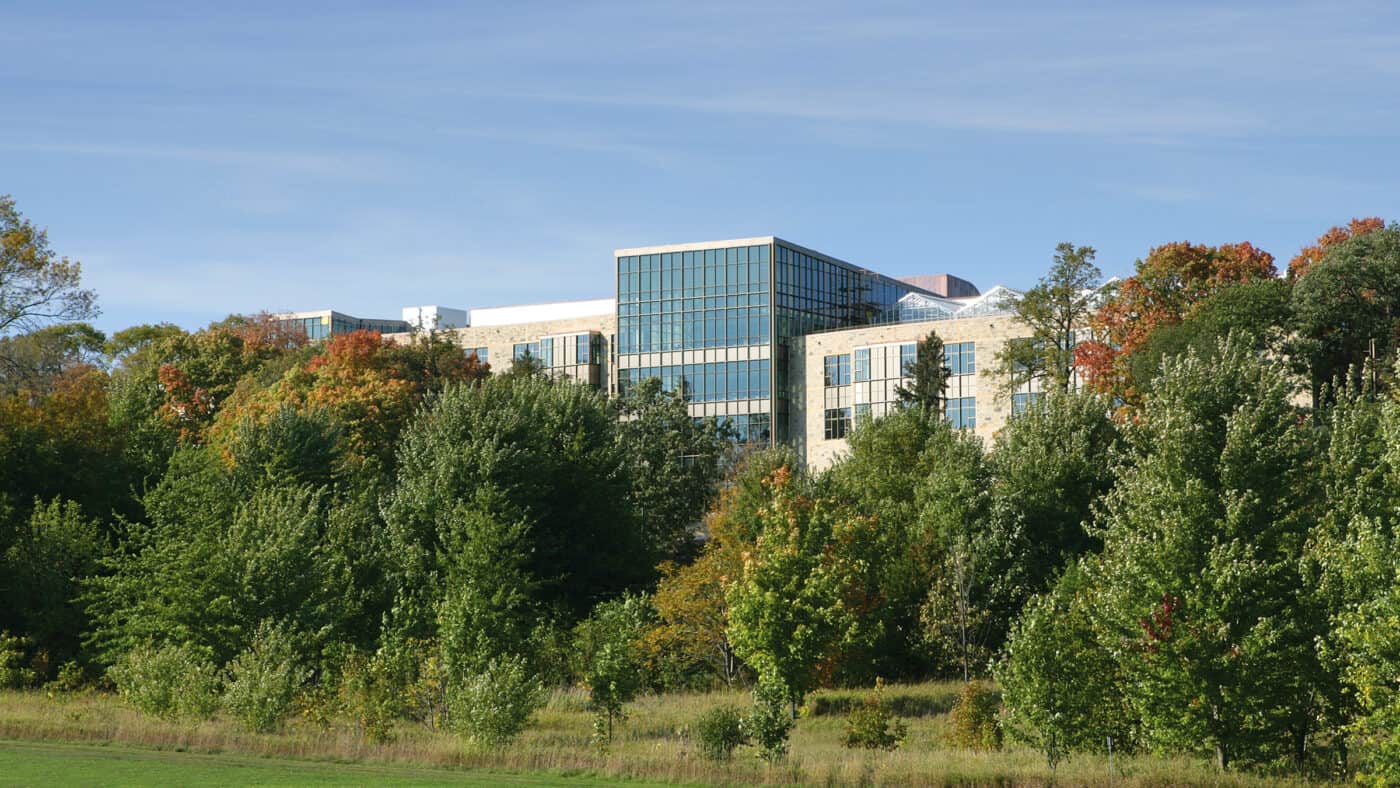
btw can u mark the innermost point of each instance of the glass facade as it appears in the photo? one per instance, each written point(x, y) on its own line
point(327, 324)
point(715, 323)
point(482, 354)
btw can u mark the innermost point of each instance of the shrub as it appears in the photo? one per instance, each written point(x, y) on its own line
point(168, 681)
point(264, 680)
point(721, 731)
point(873, 726)
point(974, 718)
point(71, 678)
point(13, 672)
point(372, 695)
point(770, 723)
point(494, 706)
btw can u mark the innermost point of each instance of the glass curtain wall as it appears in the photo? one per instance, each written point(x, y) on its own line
point(699, 321)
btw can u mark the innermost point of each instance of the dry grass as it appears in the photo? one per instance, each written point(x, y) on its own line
point(654, 744)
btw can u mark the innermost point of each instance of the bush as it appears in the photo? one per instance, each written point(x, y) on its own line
point(494, 706)
point(770, 723)
point(14, 674)
point(264, 680)
point(873, 726)
point(721, 731)
point(974, 718)
point(71, 678)
point(168, 681)
point(372, 694)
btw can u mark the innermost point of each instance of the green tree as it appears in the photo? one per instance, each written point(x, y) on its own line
point(928, 385)
point(1054, 311)
point(1347, 308)
point(676, 465)
point(805, 589)
point(609, 650)
point(1201, 590)
point(34, 361)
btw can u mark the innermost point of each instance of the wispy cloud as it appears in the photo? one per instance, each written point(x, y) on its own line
point(317, 164)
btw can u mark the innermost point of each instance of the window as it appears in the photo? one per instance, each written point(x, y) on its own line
point(838, 423)
point(523, 349)
point(482, 354)
point(961, 412)
point(583, 348)
point(837, 370)
point(1022, 402)
point(861, 359)
point(908, 354)
point(862, 412)
point(961, 358)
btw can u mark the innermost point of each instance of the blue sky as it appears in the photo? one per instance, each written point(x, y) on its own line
point(202, 159)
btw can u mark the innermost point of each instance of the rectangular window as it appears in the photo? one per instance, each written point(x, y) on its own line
point(962, 412)
point(523, 349)
point(908, 354)
point(481, 353)
point(838, 423)
point(862, 412)
point(1020, 403)
point(836, 370)
point(861, 358)
point(961, 358)
point(584, 344)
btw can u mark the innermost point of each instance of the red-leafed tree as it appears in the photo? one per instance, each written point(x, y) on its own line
point(1311, 255)
point(1168, 283)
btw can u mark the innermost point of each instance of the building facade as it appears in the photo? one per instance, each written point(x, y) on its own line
point(322, 323)
point(786, 344)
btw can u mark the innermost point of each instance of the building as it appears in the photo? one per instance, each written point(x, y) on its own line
point(323, 323)
point(434, 318)
point(786, 344)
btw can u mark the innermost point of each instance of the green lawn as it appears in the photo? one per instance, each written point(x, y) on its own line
point(43, 763)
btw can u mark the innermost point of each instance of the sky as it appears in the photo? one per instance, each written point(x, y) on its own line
point(207, 159)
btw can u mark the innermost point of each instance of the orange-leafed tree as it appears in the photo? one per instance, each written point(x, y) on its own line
point(369, 387)
point(1168, 283)
point(1311, 255)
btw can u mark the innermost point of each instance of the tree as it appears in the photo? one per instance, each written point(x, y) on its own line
point(1312, 255)
point(1054, 311)
point(1200, 592)
point(1063, 692)
point(804, 591)
point(1049, 466)
point(928, 386)
point(676, 465)
point(36, 286)
point(1348, 309)
point(1167, 285)
point(37, 359)
point(550, 457)
point(608, 646)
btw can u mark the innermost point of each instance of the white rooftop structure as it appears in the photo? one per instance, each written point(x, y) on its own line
point(534, 313)
point(422, 318)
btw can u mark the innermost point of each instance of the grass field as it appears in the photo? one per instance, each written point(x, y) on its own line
point(96, 739)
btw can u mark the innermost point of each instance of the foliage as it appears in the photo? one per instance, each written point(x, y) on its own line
point(769, 723)
point(676, 465)
point(975, 723)
point(495, 705)
point(805, 590)
point(928, 377)
point(168, 681)
point(873, 725)
point(32, 362)
point(1167, 285)
point(14, 671)
point(522, 451)
point(372, 695)
point(487, 610)
point(36, 285)
point(264, 680)
point(1053, 311)
point(1061, 689)
point(1311, 255)
point(721, 732)
point(40, 575)
point(609, 651)
point(1347, 310)
point(1200, 570)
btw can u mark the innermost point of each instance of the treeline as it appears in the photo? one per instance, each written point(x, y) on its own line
point(1187, 545)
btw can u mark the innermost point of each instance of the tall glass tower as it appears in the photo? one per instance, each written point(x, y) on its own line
point(713, 320)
